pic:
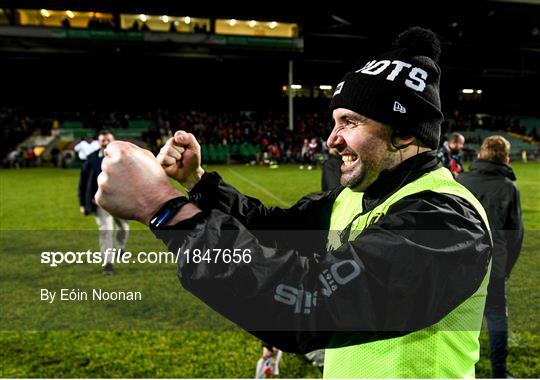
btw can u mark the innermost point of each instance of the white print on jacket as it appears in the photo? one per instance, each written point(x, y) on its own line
point(339, 273)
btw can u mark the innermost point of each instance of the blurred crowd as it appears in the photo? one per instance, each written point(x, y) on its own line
point(267, 132)
point(15, 126)
point(463, 121)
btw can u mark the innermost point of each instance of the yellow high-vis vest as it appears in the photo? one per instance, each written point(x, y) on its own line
point(447, 349)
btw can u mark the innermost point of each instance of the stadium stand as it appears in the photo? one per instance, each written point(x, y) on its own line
point(229, 137)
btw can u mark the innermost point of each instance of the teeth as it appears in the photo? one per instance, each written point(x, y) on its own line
point(348, 159)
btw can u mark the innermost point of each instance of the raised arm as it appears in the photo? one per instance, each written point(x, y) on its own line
point(180, 157)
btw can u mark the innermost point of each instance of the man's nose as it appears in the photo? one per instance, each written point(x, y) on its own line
point(335, 139)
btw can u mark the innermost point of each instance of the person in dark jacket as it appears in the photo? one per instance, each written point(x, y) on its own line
point(388, 272)
point(450, 153)
point(109, 238)
point(491, 180)
point(331, 170)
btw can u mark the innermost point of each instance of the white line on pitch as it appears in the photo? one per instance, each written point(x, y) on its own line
point(260, 188)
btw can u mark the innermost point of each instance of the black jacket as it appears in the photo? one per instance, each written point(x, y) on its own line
point(88, 181)
point(331, 172)
point(401, 274)
point(492, 183)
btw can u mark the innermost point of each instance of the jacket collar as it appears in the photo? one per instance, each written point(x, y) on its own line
point(391, 180)
point(493, 168)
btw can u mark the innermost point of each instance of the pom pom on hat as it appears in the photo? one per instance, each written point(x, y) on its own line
point(420, 41)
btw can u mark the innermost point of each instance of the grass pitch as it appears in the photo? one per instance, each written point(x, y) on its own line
point(39, 211)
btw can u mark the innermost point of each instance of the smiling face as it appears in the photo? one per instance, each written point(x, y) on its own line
point(365, 147)
point(456, 143)
point(104, 139)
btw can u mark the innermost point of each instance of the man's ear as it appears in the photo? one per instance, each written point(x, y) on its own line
point(406, 140)
point(402, 142)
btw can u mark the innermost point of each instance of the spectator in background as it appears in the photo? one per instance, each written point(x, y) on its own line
point(13, 159)
point(268, 364)
point(135, 26)
point(93, 23)
point(534, 134)
point(313, 150)
point(22, 157)
point(274, 154)
point(85, 147)
point(491, 181)
point(304, 153)
point(450, 153)
point(331, 170)
point(55, 157)
point(108, 237)
point(30, 157)
point(55, 125)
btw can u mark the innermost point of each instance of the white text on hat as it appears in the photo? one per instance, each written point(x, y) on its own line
point(416, 74)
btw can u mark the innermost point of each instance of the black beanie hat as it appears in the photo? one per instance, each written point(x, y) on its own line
point(399, 88)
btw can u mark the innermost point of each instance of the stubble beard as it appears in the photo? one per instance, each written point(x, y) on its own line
point(370, 168)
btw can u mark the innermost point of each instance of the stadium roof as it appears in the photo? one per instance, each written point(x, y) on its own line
point(502, 38)
point(485, 43)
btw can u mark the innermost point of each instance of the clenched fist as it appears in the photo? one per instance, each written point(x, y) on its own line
point(180, 157)
point(132, 184)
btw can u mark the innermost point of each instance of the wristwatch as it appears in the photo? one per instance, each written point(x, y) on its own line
point(167, 212)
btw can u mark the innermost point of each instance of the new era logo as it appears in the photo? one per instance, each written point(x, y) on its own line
point(399, 108)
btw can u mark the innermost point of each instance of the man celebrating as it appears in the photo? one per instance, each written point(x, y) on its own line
point(387, 272)
point(108, 237)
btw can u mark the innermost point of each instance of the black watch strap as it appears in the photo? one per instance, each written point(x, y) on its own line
point(167, 212)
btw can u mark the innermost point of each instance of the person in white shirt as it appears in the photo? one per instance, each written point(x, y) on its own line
point(84, 148)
